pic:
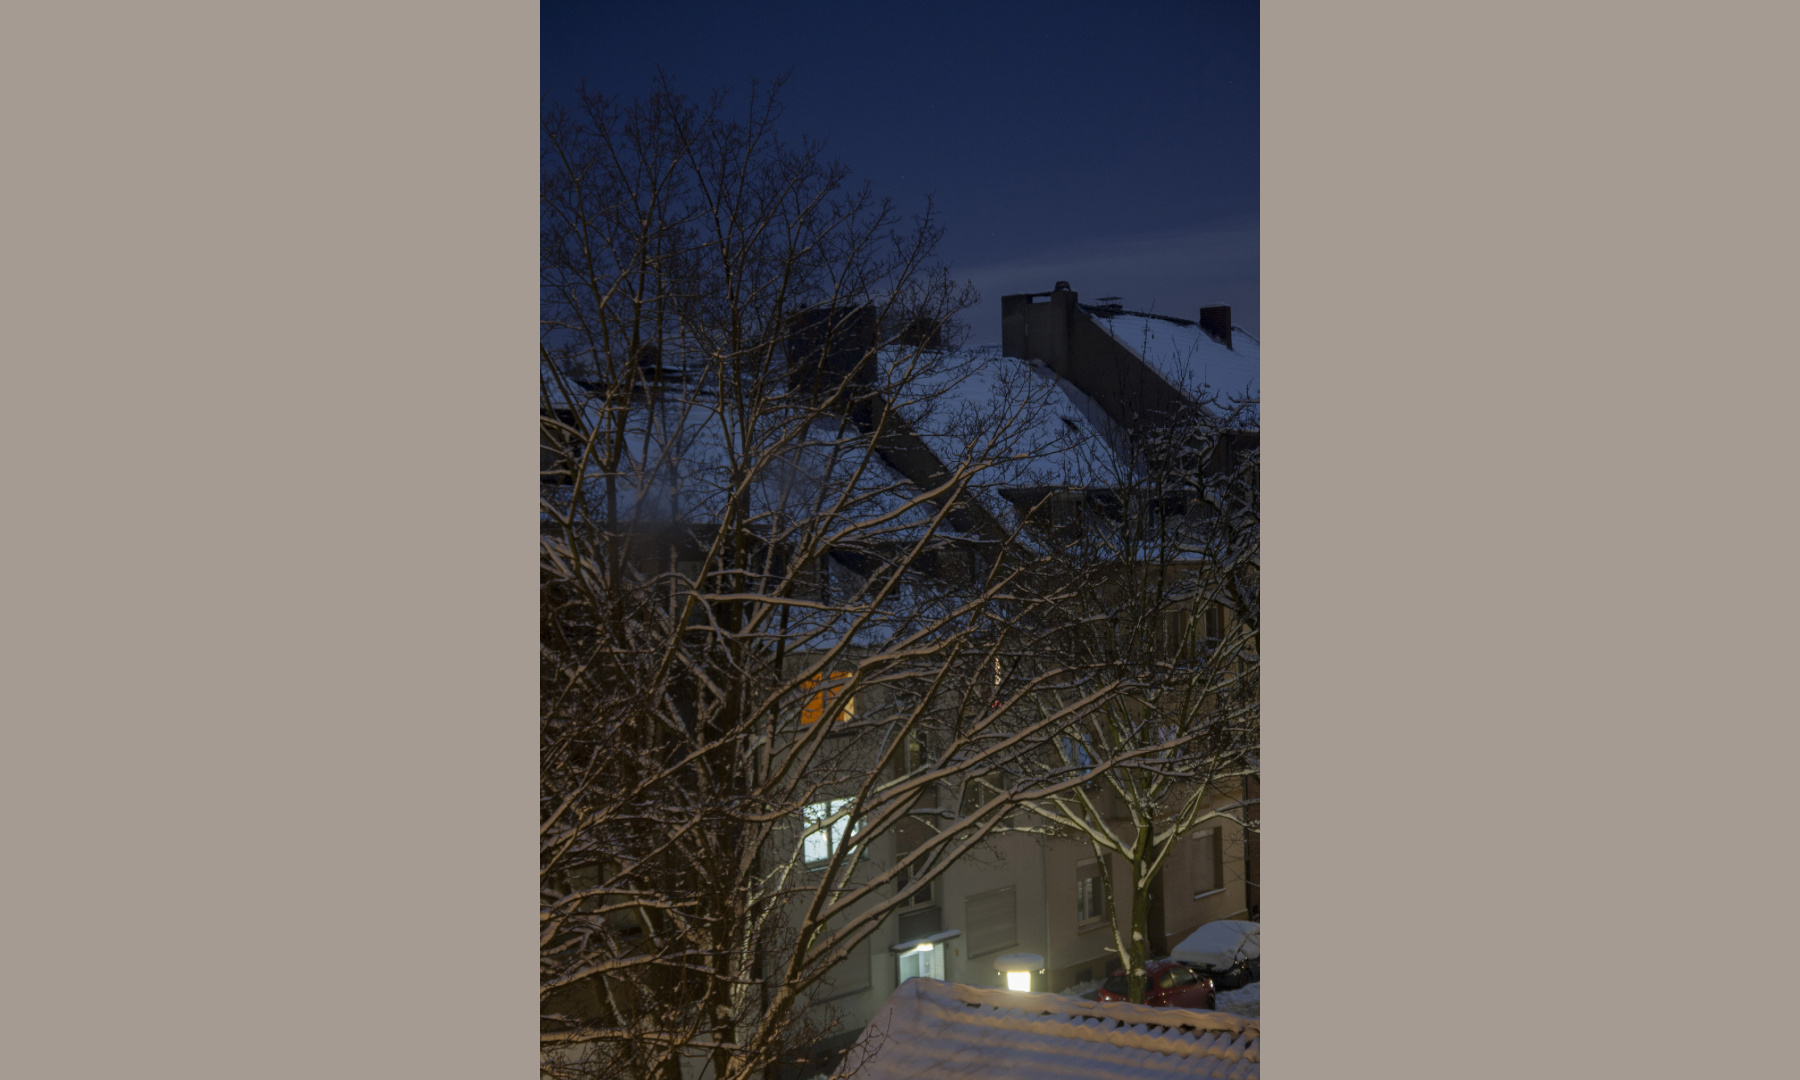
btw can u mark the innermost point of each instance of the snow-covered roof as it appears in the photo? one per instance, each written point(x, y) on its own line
point(1188, 357)
point(1015, 412)
point(939, 1029)
point(1027, 427)
point(680, 456)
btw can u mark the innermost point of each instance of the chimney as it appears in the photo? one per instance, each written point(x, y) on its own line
point(1216, 321)
point(826, 346)
point(1039, 326)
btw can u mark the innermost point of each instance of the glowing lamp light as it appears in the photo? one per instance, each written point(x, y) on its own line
point(1018, 968)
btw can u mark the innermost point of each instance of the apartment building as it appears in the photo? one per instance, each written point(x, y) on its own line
point(1120, 374)
point(1105, 377)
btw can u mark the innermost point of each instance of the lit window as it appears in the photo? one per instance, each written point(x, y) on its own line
point(821, 843)
point(828, 698)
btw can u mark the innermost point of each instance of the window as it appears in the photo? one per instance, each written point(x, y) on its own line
point(1174, 629)
point(923, 922)
point(993, 919)
point(1175, 977)
point(1215, 622)
point(908, 835)
point(826, 696)
point(919, 897)
point(822, 842)
point(1209, 871)
point(915, 752)
point(1090, 893)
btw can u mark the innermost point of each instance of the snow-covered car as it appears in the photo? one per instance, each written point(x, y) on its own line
point(1227, 950)
point(1172, 982)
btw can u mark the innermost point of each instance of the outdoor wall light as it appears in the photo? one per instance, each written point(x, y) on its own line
point(1018, 967)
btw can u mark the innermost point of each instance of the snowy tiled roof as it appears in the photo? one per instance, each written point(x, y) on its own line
point(938, 1029)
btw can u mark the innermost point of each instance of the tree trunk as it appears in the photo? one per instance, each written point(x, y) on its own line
point(1139, 943)
point(1156, 932)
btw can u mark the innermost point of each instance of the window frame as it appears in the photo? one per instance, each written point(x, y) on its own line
point(913, 896)
point(1216, 854)
point(1085, 872)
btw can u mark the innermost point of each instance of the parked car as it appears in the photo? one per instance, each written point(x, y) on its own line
point(1235, 977)
point(1172, 982)
point(1229, 950)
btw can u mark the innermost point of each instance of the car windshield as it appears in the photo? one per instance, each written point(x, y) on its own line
point(1177, 976)
point(1116, 984)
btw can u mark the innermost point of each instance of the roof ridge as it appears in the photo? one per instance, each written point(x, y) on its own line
point(1109, 310)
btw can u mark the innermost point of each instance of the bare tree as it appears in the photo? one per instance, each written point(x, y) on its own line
point(777, 582)
point(1165, 541)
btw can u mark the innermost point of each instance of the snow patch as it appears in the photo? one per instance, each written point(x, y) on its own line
point(1244, 1001)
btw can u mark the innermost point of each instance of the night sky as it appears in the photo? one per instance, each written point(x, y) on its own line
point(1114, 146)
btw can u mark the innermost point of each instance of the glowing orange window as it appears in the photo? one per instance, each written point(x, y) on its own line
point(829, 698)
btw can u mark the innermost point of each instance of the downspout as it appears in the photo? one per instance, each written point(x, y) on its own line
point(1044, 877)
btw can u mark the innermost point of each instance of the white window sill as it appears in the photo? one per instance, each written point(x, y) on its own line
point(1204, 895)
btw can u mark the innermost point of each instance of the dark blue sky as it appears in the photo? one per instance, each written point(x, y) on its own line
point(1112, 145)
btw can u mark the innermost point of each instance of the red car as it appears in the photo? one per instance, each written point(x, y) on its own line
point(1172, 982)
